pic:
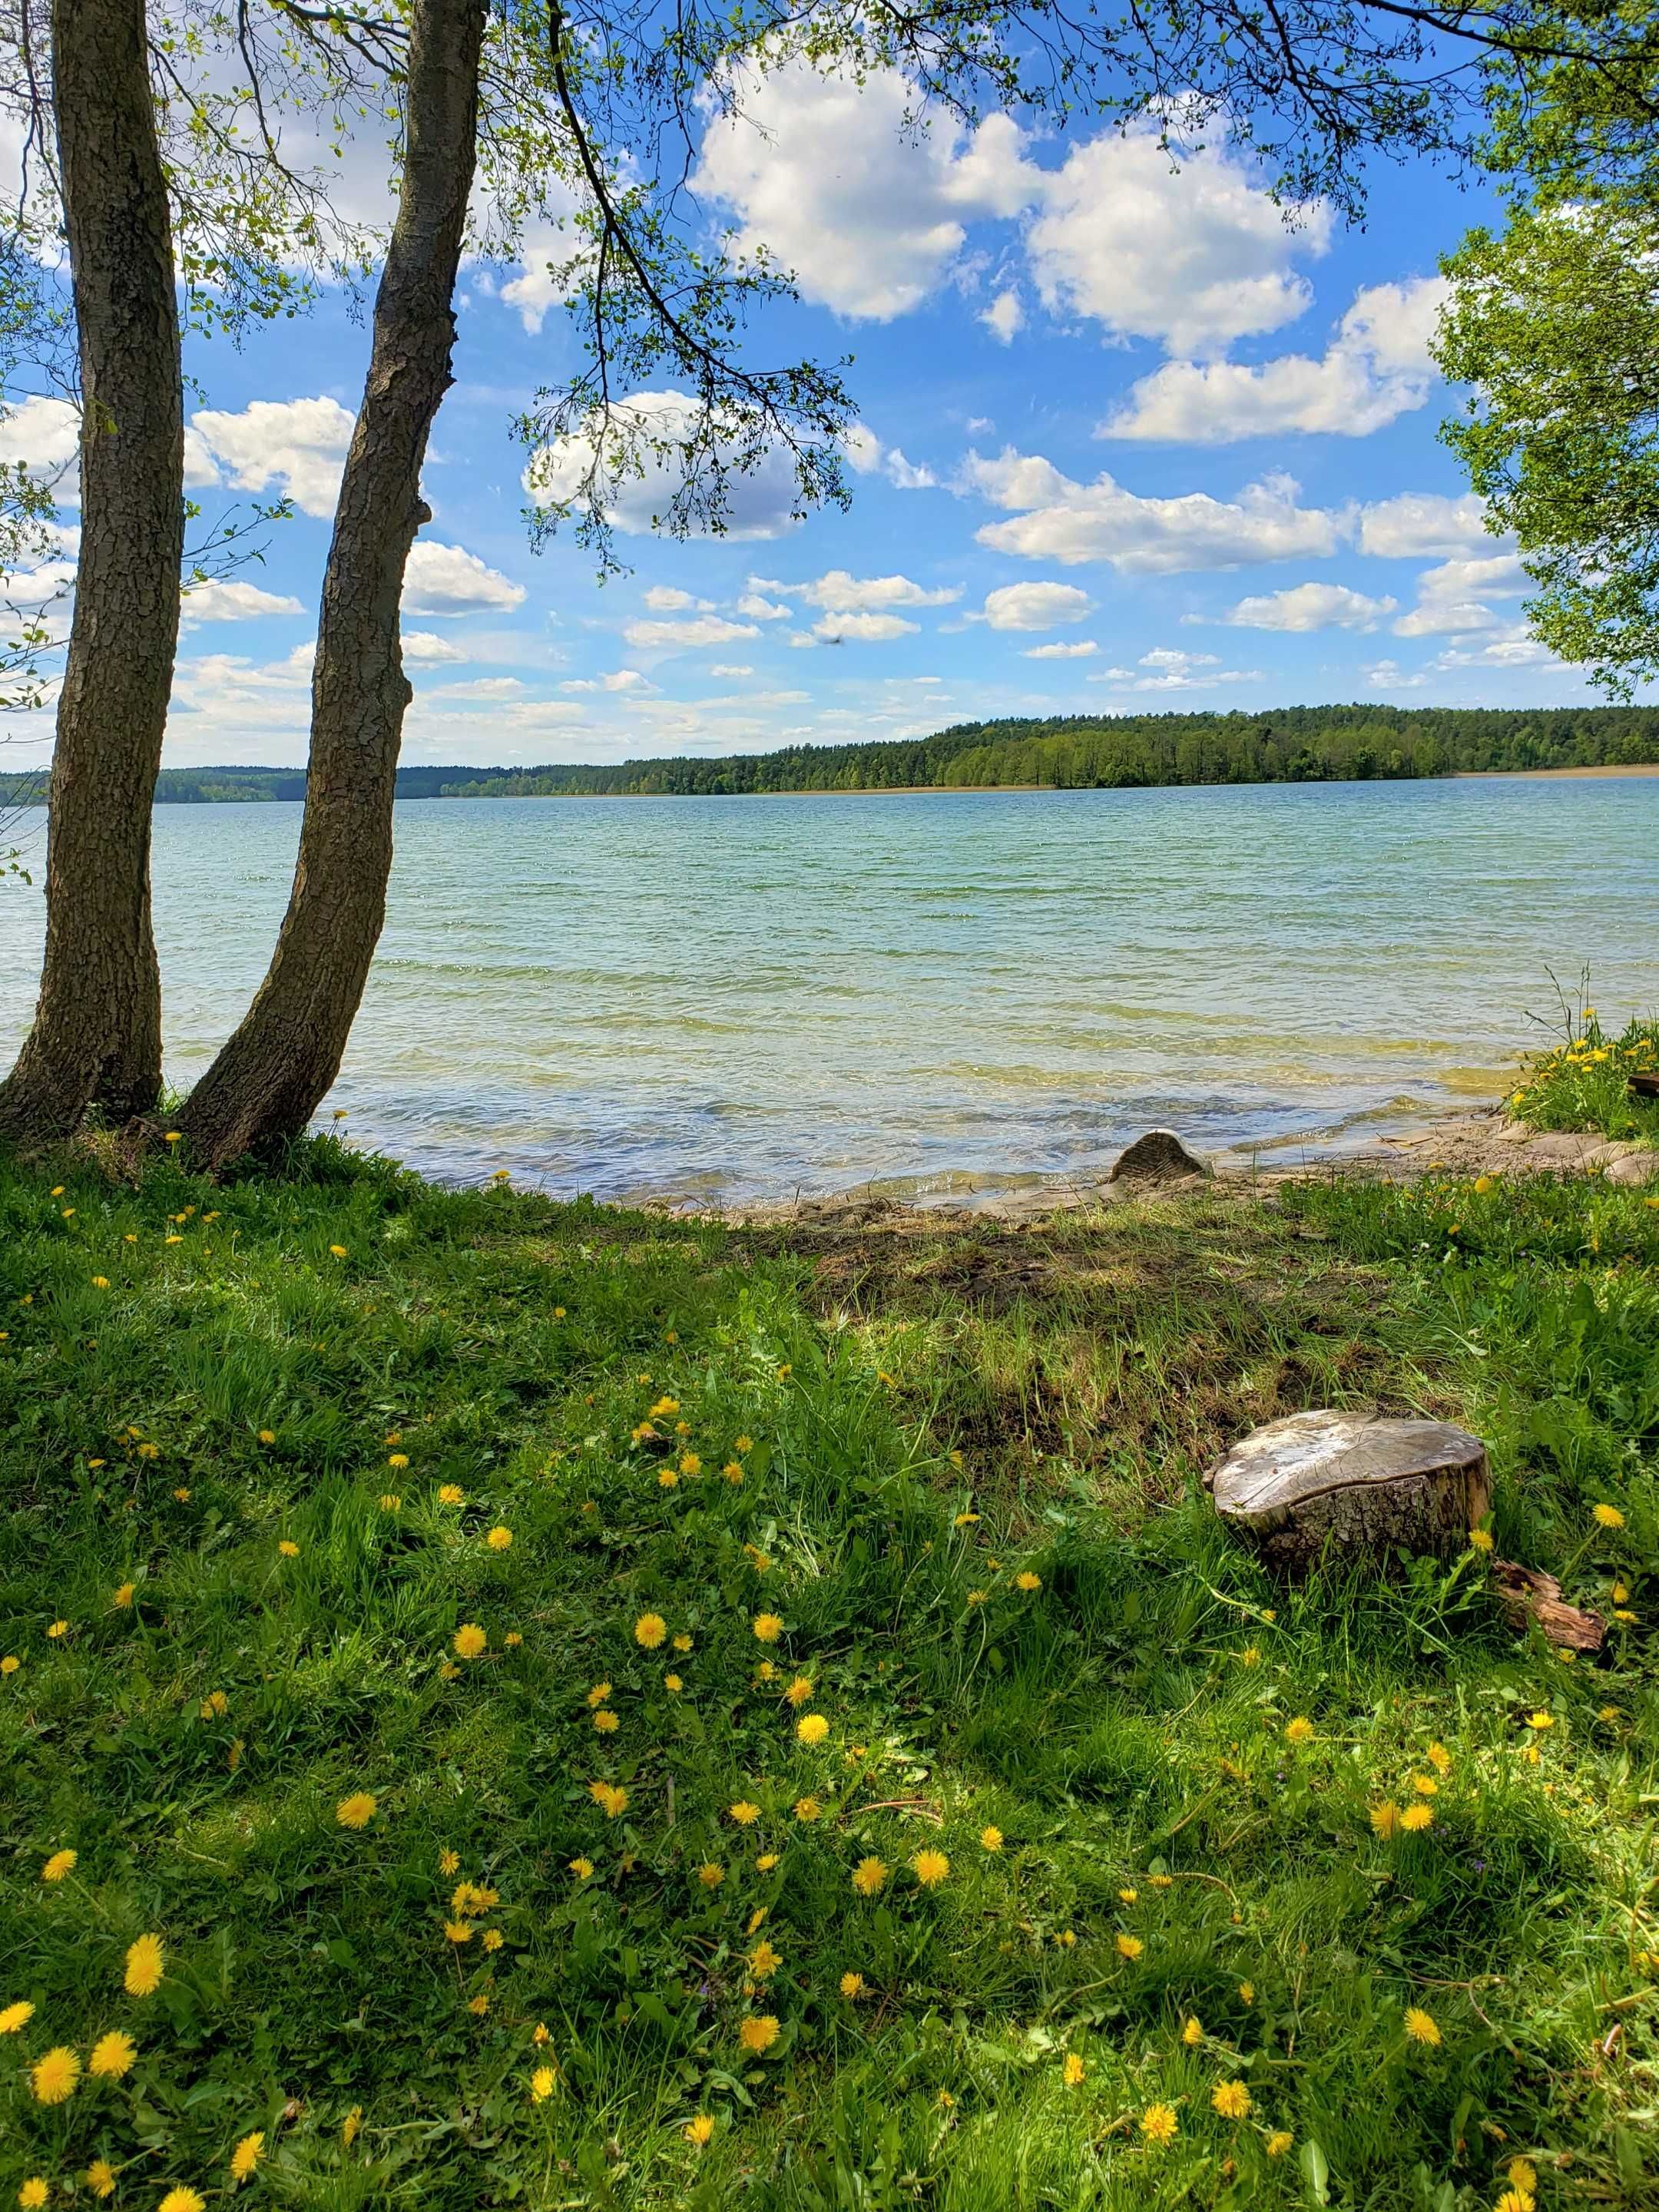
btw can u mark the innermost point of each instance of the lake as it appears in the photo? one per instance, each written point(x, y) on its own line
point(726, 997)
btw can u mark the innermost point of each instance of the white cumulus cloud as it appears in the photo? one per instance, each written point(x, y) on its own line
point(1451, 598)
point(838, 592)
point(866, 628)
point(1310, 606)
point(448, 579)
point(426, 645)
point(695, 630)
point(1084, 649)
point(297, 446)
point(1414, 524)
point(760, 502)
point(231, 600)
point(1035, 606)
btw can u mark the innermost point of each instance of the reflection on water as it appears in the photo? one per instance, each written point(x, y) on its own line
point(733, 996)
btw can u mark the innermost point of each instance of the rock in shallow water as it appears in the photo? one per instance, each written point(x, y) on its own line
point(1158, 1157)
point(1356, 1482)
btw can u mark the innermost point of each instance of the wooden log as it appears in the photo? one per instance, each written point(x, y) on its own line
point(1528, 1594)
point(1645, 1084)
point(1362, 1484)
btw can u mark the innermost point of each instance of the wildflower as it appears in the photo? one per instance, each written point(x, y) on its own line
point(1161, 1881)
point(351, 2126)
point(606, 1721)
point(732, 1473)
point(53, 2077)
point(101, 2178)
point(710, 1874)
point(1025, 1580)
point(1279, 2142)
point(512, 1639)
point(1480, 1540)
point(541, 2083)
point(668, 1479)
point(758, 2032)
point(469, 1640)
point(1192, 2033)
point(689, 1463)
point(247, 2155)
point(1231, 2099)
point(101, 1282)
point(990, 1839)
point(1299, 1731)
point(458, 1931)
point(1541, 1720)
point(357, 1810)
point(811, 1728)
point(449, 1863)
point(267, 1436)
point(1246, 1991)
point(869, 1877)
point(1416, 1818)
point(1385, 1819)
point(10, 1663)
point(449, 1493)
point(611, 1800)
point(700, 2130)
point(288, 1549)
point(1072, 2071)
point(807, 1810)
point(664, 1409)
point(145, 1960)
point(1129, 1947)
point(744, 1813)
point(799, 1691)
point(681, 1644)
point(60, 1628)
point(1425, 1785)
point(769, 1626)
point(1157, 2123)
point(742, 1444)
point(182, 1496)
point(672, 1684)
point(112, 2055)
point(478, 2006)
point(172, 1136)
point(13, 2016)
point(930, 1868)
point(33, 2193)
point(1128, 1897)
point(852, 1987)
point(764, 1961)
point(766, 1861)
point(493, 1939)
point(755, 1919)
point(1249, 1657)
point(1420, 2026)
point(1608, 1516)
point(1522, 2174)
point(1516, 2200)
point(180, 2199)
point(649, 1630)
point(500, 1538)
point(57, 1865)
point(1439, 1758)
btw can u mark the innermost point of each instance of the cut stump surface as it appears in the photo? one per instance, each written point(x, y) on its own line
point(1357, 1482)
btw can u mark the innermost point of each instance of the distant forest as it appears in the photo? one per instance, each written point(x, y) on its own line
point(1293, 745)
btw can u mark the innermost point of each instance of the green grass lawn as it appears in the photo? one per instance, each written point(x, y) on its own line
point(598, 1711)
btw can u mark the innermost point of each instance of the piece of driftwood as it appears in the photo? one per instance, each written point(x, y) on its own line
point(1158, 1157)
point(1645, 1083)
point(1363, 1483)
point(1527, 1595)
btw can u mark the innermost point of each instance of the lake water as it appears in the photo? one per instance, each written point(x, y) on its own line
point(733, 997)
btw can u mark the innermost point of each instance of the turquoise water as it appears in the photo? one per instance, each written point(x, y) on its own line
point(732, 997)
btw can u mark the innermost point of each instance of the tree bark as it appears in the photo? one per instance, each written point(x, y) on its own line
point(277, 1067)
point(97, 1032)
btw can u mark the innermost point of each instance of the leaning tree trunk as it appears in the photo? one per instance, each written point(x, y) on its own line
point(274, 1070)
point(97, 1032)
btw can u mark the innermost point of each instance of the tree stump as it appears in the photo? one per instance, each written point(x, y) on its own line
point(1359, 1483)
point(1158, 1157)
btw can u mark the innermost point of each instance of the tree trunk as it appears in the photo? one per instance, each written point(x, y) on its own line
point(274, 1070)
point(97, 1032)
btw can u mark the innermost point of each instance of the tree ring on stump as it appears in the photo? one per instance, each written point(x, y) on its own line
point(1365, 1483)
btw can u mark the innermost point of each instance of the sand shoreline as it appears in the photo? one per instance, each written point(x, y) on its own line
point(1547, 775)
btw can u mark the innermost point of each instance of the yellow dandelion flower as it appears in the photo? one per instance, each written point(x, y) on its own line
point(1480, 1540)
point(811, 1728)
point(458, 1931)
point(649, 1630)
point(1158, 2124)
point(1246, 1991)
point(611, 1800)
point(1416, 1818)
point(672, 1684)
point(758, 2032)
point(799, 1691)
point(357, 1810)
point(450, 1493)
point(10, 1663)
point(700, 2130)
point(493, 1939)
point(1420, 2026)
point(930, 1868)
point(1608, 1516)
point(1439, 1758)
point(121, 1597)
point(247, 2155)
point(58, 1865)
point(1192, 2033)
point(101, 2178)
point(1129, 1947)
point(145, 1962)
point(53, 2077)
point(13, 2016)
point(500, 1538)
point(1128, 1897)
point(59, 1628)
point(351, 2126)
point(869, 1877)
point(764, 1961)
point(769, 1626)
point(1522, 2174)
point(852, 1987)
point(1072, 2071)
point(1385, 1819)
point(681, 1644)
point(542, 2083)
point(606, 1721)
point(1516, 2200)
point(690, 1464)
point(288, 1549)
point(1279, 2142)
point(744, 1813)
point(766, 1861)
point(1540, 1719)
point(807, 1810)
point(478, 2006)
point(990, 1839)
point(1025, 1580)
point(710, 1874)
point(1299, 1731)
point(1231, 2099)
point(32, 2194)
point(112, 2055)
point(469, 1640)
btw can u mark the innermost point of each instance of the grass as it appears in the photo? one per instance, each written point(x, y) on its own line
point(254, 1441)
point(1583, 1082)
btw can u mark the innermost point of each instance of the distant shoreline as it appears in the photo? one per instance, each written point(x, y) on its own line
point(1546, 775)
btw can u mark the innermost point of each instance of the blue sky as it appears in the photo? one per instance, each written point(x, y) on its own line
point(1128, 443)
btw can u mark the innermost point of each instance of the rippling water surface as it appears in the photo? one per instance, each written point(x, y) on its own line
point(757, 995)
